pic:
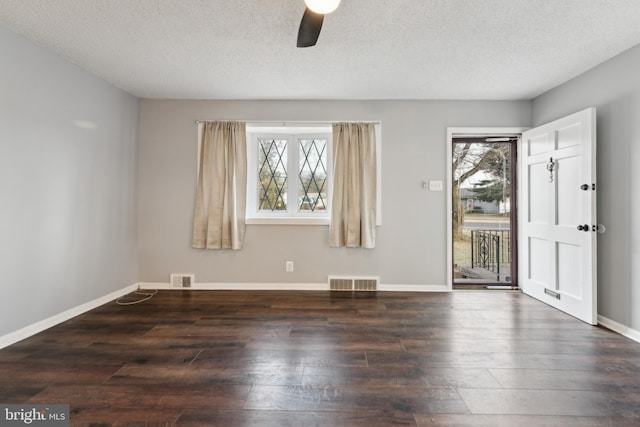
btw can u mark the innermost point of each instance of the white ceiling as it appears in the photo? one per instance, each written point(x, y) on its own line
point(368, 49)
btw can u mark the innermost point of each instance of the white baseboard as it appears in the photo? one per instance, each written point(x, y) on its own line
point(413, 288)
point(619, 328)
point(40, 326)
point(240, 286)
point(289, 287)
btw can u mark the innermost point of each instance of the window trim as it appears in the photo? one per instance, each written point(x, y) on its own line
point(287, 220)
point(293, 135)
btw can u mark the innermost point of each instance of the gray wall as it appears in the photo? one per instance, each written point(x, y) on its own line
point(68, 164)
point(614, 89)
point(411, 244)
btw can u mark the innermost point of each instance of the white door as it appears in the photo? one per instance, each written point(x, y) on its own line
point(558, 214)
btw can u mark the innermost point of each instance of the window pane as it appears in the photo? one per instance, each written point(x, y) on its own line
point(272, 174)
point(312, 192)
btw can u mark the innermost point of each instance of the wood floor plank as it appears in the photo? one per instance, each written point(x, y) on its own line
point(218, 330)
point(19, 392)
point(466, 420)
point(87, 416)
point(539, 346)
point(250, 356)
point(171, 374)
point(248, 418)
point(426, 359)
point(350, 375)
point(520, 333)
point(404, 376)
point(150, 396)
point(356, 342)
point(551, 402)
point(112, 355)
point(78, 373)
point(544, 379)
point(345, 398)
point(170, 342)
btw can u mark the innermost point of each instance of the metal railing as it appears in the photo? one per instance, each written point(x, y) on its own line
point(490, 249)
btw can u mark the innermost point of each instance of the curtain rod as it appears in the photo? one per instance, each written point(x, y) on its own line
point(293, 122)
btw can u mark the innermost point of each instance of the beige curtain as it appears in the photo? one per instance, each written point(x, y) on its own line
point(353, 207)
point(219, 221)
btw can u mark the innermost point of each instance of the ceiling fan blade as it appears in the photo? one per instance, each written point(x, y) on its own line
point(310, 27)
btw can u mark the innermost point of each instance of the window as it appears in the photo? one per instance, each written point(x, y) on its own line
point(288, 174)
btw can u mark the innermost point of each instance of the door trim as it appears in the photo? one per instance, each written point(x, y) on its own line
point(466, 131)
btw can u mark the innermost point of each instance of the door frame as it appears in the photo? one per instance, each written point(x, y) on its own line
point(468, 131)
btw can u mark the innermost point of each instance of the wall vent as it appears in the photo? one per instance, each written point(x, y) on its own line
point(182, 280)
point(353, 283)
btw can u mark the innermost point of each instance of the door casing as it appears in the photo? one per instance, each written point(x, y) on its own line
point(467, 131)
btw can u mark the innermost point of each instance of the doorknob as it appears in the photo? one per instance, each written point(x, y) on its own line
point(584, 227)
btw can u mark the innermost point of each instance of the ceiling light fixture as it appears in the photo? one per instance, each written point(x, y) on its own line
point(322, 6)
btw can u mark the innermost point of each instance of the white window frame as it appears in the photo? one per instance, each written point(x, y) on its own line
point(293, 134)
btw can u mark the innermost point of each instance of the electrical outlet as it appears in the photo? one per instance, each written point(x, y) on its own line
point(288, 266)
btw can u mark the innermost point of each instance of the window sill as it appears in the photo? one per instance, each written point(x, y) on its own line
point(288, 221)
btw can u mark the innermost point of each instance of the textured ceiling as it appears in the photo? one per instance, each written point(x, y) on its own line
point(368, 49)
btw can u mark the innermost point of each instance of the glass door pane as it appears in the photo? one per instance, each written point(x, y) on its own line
point(484, 245)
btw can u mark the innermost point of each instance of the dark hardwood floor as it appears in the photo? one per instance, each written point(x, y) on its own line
point(230, 358)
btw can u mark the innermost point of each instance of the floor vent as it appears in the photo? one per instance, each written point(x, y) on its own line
point(182, 280)
point(353, 283)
